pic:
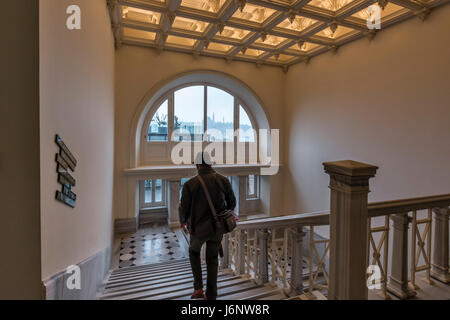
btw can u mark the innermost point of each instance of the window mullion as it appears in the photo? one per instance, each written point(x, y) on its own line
point(205, 111)
point(153, 191)
point(170, 116)
point(236, 128)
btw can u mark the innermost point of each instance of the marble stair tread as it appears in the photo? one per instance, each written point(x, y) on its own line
point(222, 291)
point(152, 266)
point(317, 295)
point(270, 290)
point(159, 285)
point(278, 296)
point(152, 282)
point(186, 293)
point(149, 278)
point(167, 269)
point(172, 290)
point(255, 289)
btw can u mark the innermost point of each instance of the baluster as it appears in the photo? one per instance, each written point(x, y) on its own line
point(297, 261)
point(440, 268)
point(376, 254)
point(240, 254)
point(273, 248)
point(263, 264)
point(284, 265)
point(413, 262)
point(429, 227)
point(311, 263)
point(226, 251)
point(255, 254)
point(385, 259)
point(247, 258)
point(398, 284)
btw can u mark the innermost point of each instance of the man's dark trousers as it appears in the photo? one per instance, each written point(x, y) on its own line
point(212, 251)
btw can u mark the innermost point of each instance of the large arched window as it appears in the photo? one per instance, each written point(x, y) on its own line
point(200, 112)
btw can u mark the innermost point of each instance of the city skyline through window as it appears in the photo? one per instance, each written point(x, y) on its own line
point(190, 106)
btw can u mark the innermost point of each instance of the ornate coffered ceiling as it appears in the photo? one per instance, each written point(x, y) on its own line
point(275, 32)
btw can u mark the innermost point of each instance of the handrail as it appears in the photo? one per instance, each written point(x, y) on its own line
point(384, 208)
point(302, 219)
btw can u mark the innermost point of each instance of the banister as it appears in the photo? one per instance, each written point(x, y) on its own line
point(383, 208)
point(303, 219)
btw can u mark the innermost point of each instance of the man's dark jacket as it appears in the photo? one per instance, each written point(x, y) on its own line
point(194, 210)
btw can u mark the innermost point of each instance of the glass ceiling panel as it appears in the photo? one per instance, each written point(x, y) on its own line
point(214, 46)
point(252, 53)
point(331, 5)
point(189, 24)
point(340, 31)
point(204, 5)
point(253, 13)
point(271, 40)
point(233, 33)
point(180, 41)
point(299, 24)
point(140, 34)
point(388, 10)
point(305, 47)
point(140, 15)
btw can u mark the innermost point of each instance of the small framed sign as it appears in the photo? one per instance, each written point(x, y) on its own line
point(65, 164)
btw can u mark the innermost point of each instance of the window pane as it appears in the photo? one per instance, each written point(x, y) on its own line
point(251, 185)
point(246, 133)
point(182, 182)
point(158, 190)
point(158, 125)
point(148, 191)
point(220, 107)
point(188, 113)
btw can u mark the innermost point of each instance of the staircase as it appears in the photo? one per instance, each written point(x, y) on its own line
point(173, 280)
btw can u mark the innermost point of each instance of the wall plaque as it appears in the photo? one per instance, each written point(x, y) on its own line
point(65, 163)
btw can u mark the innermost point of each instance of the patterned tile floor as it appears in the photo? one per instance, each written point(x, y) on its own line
point(150, 245)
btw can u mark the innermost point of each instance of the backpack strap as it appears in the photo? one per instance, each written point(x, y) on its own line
point(208, 197)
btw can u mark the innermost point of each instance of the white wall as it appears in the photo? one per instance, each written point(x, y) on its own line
point(385, 102)
point(138, 70)
point(77, 102)
point(20, 264)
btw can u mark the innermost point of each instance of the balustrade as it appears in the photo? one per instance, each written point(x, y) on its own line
point(398, 238)
point(415, 215)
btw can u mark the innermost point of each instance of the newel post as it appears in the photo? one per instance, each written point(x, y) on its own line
point(349, 184)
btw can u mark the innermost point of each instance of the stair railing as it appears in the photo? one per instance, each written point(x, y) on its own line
point(272, 250)
point(360, 235)
point(417, 215)
point(359, 241)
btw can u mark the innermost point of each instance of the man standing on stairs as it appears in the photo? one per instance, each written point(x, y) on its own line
point(196, 215)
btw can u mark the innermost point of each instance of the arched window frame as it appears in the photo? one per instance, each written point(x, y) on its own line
point(170, 97)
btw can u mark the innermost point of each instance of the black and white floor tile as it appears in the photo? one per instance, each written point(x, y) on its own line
point(149, 246)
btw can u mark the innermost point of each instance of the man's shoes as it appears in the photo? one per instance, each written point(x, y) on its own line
point(198, 294)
